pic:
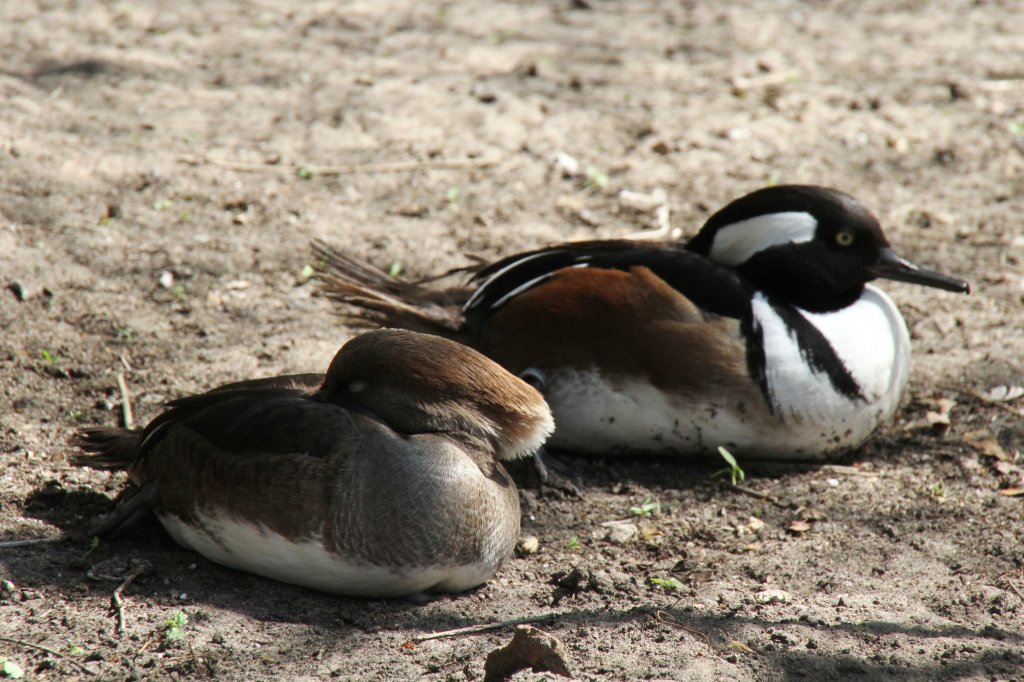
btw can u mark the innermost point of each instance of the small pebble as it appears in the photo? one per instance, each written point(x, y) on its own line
point(621, 533)
point(773, 597)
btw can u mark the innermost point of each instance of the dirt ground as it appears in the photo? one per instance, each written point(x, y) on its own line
point(164, 166)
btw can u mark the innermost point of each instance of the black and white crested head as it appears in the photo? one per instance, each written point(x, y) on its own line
point(811, 246)
point(781, 216)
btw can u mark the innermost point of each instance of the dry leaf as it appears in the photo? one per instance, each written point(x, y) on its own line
point(1012, 492)
point(773, 597)
point(1001, 394)
point(740, 647)
point(985, 443)
point(799, 527)
point(649, 532)
point(529, 545)
point(936, 418)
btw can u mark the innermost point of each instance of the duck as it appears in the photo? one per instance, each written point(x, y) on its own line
point(381, 478)
point(761, 334)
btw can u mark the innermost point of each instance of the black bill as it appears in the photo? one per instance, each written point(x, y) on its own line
point(892, 266)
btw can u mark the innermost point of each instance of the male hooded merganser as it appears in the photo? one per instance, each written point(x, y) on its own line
point(380, 479)
point(761, 334)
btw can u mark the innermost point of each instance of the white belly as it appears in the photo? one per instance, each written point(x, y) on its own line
point(594, 415)
point(810, 419)
point(245, 546)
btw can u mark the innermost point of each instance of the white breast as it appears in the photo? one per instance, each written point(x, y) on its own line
point(871, 340)
point(238, 544)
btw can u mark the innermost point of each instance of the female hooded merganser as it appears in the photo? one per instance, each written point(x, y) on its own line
point(380, 479)
point(761, 334)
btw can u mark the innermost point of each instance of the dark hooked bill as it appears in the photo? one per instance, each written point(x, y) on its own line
point(892, 266)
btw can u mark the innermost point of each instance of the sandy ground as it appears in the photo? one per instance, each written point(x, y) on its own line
point(164, 166)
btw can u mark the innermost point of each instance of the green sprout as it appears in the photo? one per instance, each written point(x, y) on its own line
point(452, 197)
point(647, 508)
point(670, 584)
point(733, 471)
point(174, 627)
point(596, 178)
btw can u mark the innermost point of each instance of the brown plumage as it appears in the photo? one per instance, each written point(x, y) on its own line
point(380, 478)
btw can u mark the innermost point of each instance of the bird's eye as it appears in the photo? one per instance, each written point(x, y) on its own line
point(534, 377)
point(844, 238)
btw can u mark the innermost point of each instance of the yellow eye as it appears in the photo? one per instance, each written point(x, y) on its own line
point(844, 238)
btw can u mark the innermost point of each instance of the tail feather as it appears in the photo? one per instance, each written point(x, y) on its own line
point(107, 449)
point(112, 449)
point(371, 298)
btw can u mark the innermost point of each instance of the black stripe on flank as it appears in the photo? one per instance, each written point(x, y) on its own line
point(756, 363)
point(816, 351)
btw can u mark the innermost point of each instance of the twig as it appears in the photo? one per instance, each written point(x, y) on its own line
point(767, 80)
point(475, 629)
point(759, 495)
point(10, 544)
point(40, 647)
point(385, 167)
point(117, 606)
point(124, 361)
point(667, 618)
point(116, 603)
point(126, 403)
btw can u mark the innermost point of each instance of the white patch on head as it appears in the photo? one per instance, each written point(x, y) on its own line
point(737, 242)
point(869, 337)
point(248, 547)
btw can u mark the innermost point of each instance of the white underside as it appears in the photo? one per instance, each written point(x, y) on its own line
point(245, 546)
point(595, 416)
point(810, 419)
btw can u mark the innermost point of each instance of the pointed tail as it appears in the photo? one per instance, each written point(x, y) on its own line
point(106, 448)
point(371, 298)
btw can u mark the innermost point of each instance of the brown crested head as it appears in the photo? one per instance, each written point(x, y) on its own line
point(420, 383)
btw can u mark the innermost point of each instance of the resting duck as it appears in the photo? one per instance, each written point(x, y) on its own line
point(761, 334)
point(382, 478)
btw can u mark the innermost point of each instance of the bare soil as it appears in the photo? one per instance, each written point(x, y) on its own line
point(160, 184)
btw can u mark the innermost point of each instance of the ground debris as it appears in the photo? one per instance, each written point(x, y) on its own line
point(530, 648)
point(985, 443)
